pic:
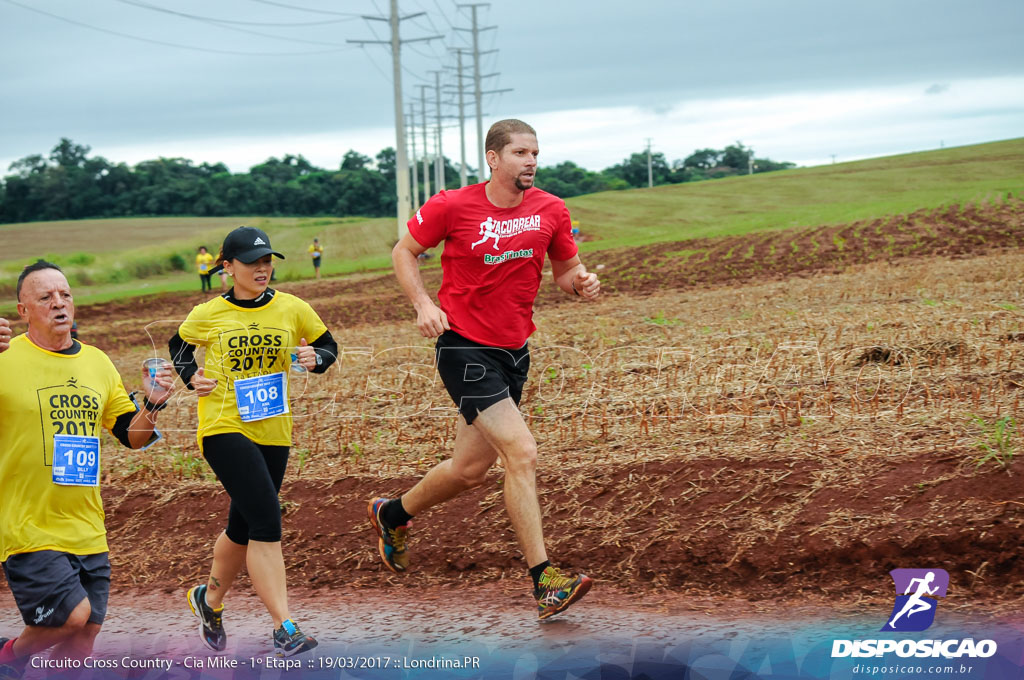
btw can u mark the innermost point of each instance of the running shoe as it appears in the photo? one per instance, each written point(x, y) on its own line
point(390, 542)
point(555, 591)
point(289, 640)
point(211, 628)
point(10, 671)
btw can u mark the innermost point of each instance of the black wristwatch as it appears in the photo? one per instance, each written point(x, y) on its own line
point(151, 407)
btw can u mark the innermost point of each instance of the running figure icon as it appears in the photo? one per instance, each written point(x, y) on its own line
point(917, 603)
point(487, 229)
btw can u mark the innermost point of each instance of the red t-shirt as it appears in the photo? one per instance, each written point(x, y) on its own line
point(493, 258)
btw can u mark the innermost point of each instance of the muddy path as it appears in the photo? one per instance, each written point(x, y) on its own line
point(465, 631)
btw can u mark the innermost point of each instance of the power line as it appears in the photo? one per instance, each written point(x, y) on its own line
point(163, 43)
point(430, 21)
point(423, 54)
point(443, 15)
point(431, 44)
point(231, 28)
point(304, 9)
point(374, 63)
point(414, 74)
point(186, 15)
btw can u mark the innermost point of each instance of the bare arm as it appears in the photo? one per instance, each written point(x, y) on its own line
point(141, 428)
point(5, 334)
point(430, 319)
point(572, 277)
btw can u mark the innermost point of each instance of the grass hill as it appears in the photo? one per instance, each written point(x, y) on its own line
point(822, 195)
point(116, 258)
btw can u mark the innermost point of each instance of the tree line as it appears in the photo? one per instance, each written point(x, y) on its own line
point(71, 184)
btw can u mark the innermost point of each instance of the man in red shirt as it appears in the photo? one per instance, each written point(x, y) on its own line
point(496, 235)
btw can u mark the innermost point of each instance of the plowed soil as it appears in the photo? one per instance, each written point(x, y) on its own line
point(766, 417)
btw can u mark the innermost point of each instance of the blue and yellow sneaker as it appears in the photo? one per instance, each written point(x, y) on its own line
point(11, 669)
point(390, 541)
point(289, 640)
point(556, 592)
point(211, 627)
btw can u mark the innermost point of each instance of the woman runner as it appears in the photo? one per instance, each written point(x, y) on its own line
point(252, 335)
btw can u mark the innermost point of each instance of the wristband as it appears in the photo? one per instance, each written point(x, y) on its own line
point(573, 284)
point(151, 407)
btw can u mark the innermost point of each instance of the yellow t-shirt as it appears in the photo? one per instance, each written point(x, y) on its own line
point(316, 251)
point(43, 394)
point(203, 262)
point(243, 343)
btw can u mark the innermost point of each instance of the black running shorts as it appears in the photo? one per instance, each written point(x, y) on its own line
point(47, 585)
point(477, 376)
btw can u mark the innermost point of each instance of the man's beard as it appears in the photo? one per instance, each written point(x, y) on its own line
point(521, 186)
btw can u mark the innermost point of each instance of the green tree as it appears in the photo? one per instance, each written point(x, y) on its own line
point(354, 160)
point(736, 156)
point(702, 159)
point(387, 161)
point(634, 169)
point(67, 154)
point(568, 179)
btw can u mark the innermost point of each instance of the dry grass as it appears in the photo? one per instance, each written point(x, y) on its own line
point(821, 414)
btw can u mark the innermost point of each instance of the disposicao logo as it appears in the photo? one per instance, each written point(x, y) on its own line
point(917, 593)
point(914, 609)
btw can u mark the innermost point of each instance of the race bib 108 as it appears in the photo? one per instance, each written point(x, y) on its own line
point(261, 396)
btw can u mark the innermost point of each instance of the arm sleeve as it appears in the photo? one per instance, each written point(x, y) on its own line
point(311, 326)
point(118, 402)
point(327, 349)
point(120, 428)
point(119, 409)
point(183, 356)
point(562, 246)
point(429, 226)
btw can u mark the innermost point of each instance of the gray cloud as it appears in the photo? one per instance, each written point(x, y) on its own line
point(64, 79)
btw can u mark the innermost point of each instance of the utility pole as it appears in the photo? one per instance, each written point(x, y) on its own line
point(401, 159)
point(426, 154)
point(650, 168)
point(462, 123)
point(750, 161)
point(476, 82)
point(415, 179)
point(439, 161)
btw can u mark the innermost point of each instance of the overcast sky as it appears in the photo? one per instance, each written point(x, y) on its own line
point(239, 81)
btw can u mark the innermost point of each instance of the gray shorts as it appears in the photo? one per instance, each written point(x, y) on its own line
point(47, 585)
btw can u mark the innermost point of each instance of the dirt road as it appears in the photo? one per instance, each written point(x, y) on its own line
point(491, 631)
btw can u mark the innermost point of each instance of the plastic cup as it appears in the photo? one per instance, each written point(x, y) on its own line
point(149, 371)
point(296, 367)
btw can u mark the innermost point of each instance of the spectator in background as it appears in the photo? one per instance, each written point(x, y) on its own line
point(316, 250)
point(204, 262)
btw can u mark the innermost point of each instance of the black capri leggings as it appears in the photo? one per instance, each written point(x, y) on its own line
point(251, 474)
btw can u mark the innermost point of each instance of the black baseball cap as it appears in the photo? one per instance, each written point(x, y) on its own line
point(245, 244)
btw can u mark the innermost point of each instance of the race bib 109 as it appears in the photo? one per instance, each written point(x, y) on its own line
point(76, 460)
point(261, 396)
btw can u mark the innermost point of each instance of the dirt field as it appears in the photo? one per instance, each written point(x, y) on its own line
point(769, 418)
